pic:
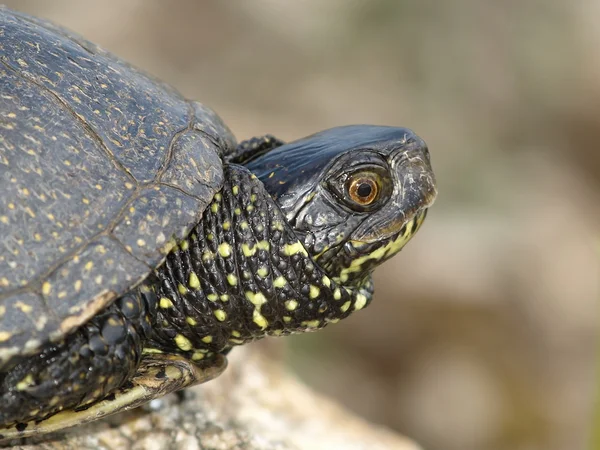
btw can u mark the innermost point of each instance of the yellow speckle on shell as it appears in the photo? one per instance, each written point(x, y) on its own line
point(207, 339)
point(182, 289)
point(337, 294)
point(345, 307)
point(196, 356)
point(262, 271)
point(46, 288)
point(311, 323)
point(5, 336)
point(231, 279)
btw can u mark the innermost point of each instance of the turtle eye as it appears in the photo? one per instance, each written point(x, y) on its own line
point(363, 189)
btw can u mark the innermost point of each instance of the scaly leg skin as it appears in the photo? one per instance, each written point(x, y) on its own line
point(91, 363)
point(253, 148)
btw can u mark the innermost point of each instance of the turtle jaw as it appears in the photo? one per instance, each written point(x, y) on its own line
point(361, 257)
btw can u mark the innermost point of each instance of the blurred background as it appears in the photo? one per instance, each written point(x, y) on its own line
point(483, 332)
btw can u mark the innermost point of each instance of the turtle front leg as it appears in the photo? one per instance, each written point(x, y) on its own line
point(90, 364)
point(253, 148)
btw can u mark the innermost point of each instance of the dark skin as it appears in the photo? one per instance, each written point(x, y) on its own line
point(285, 247)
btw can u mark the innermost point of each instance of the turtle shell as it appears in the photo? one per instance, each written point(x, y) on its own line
point(102, 169)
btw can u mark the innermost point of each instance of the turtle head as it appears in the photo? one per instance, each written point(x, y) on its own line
point(354, 195)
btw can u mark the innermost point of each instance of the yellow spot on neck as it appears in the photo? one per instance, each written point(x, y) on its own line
point(337, 294)
point(191, 321)
point(311, 323)
point(231, 279)
point(345, 306)
point(220, 315)
point(314, 292)
point(183, 343)
point(361, 301)
point(224, 250)
point(207, 256)
point(279, 282)
point(262, 271)
point(293, 249)
point(165, 303)
point(291, 305)
point(256, 298)
point(248, 251)
point(194, 281)
point(182, 289)
point(207, 339)
point(25, 383)
point(259, 319)
point(263, 245)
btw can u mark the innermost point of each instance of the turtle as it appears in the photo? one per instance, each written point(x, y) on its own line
point(140, 242)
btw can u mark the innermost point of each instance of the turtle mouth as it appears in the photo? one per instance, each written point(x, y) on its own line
point(362, 257)
point(395, 240)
